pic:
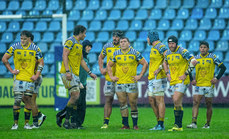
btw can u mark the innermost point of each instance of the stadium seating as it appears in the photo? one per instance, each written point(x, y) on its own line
point(7, 37)
point(13, 5)
point(107, 4)
point(122, 25)
point(3, 26)
point(210, 13)
point(219, 24)
point(53, 5)
point(49, 58)
point(131, 35)
point(43, 46)
point(52, 47)
point(14, 26)
point(226, 3)
point(216, 3)
point(83, 23)
point(213, 35)
point(183, 14)
point(169, 14)
point(177, 24)
point(222, 46)
point(141, 14)
point(120, 4)
point(188, 4)
point(202, 3)
point(186, 35)
point(40, 5)
point(3, 5)
point(205, 24)
point(227, 65)
point(87, 15)
point(191, 24)
point(182, 44)
point(155, 14)
point(48, 37)
point(69, 5)
point(142, 36)
point(37, 36)
point(18, 37)
point(101, 15)
point(226, 57)
point(199, 35)
point(147, 4)
point(74, 15)
point(224, 13)
point(193, 46)
point(58, 38)
point(211, 46)
point(96, 47)
point(80, 5)
point(136, 25)
point(90, 36)
point(94, 5)
point(92, 58)
point(114, 15)
point(139, 46)
point(26, 5)
point(103, 36)
point(54, 26)
point(161, 4)
point(134, 4)
point(2, 69)
point(128, 14)
point(108, 25)
point(170, 33)
point(197, 13)
point(70, 26)
point(219, 55)
point(163, 25)
point(174, 4)
point(3, 48)
point(225, 35)
point(41, 26)
point(149, 24)
point(28, 26)
point(95, 26)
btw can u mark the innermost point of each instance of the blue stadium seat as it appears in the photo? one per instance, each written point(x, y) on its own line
point(163, 25)
point(142, 14)
point(169, 14)
point(49, 58)
point(52, 47)
point(139, 46)
point(182, 44)
point(7, 13)
point(147, 49)
point(222, 46)
point(191, 24)
point(70, 26)
point(43, 46)
point(13, 5)
point(177, 24)
point(161, 4)
point(211, 46)
point(7, 37)
point(3, 48)
point(147, 4)
point(122, 25)
point(54, 26)
point(224, 13)
point(134, 4)
point(90, 36)
point(101, 15)
point(219, 55)
point(48, 37)
point(128, 14)
point(174, 4)
point(18, 37)
point(219, 24)
point(41, 26)
point(170, 33)
point(58, 38)
point(69, 5)
point(95, 69)
point(95, 26)
point(197, 13)
point(37, 36)
point(213, 35)
point(120, 4)
point(96, 47)
point(149, 24)
point(188, 4)
point(103, 36)
point(193, 46)
point(226, 59)
point(40, 5)
point(26, 5)
point(210, 13)
point(226, 3)
point(93, 5)
point(199, 35)
point(2, 69)
point(205, 24)
point(183, 14)
point(20, 12)
point(45, 70)
point(83, 23)
point(11, 61)
point(74, 15)
point(227, 65)
point(33, 13)
point(80, 5)
point(2, 26)
point(108, 25)
point(87, 15)
point(13, 26)
point(161, 35)
point(131, 35)
point(46, 12)
point(146, 55)
point(155, 14)
point(185, 35)
point(92, 58)
point(107, 4)
point(225, 35)
point(139, 68)
point(202, 3)
point(142, 36)
point(136, 25)
point(114, 14)
point(216, 3)
point(52, 70)
point(53, 5)
point(3, 5)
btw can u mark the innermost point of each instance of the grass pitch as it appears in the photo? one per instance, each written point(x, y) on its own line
point(94, 120)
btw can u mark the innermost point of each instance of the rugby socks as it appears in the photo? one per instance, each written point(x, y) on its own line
point(69, 110)
point(39, 113)
point(62, 113)
point(106, 120)
point(194, 120)
point(16, 113)
point(134, 115)
point(35, 120)
point(125, 121)
point(161, 122)
point(74, 114)
point(27, 113)
point(178, 113)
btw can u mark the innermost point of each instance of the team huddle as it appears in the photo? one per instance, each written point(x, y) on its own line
point(173, 64)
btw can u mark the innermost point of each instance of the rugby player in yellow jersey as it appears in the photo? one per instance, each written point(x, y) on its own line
point(25, 55)
point(109, 87)
point(157, 79)
point(126, 61)
point(205, 82)
point(181, 64)
point(72, 60)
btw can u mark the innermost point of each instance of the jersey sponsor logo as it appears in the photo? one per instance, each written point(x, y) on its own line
point(177, 57)
point(131, 57)
point(125, 69)
point(109, 51)
point(31, 53)
point(208, 61)
point(119, 58)
point(19, 53)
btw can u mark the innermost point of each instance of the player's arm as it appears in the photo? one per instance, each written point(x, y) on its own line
point(102, 70)
point(166, 68)
point(65, 61)
point(40, 66)
point(109, 71)
point(144, 64)
point(85, 67)
point(5, 61)
point(222, 68)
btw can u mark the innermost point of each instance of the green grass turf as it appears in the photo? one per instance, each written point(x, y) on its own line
point(94, 120)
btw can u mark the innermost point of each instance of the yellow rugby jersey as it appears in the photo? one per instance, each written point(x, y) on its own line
point(126, 65)
point(25, 58)
point(156, 59)
point(205, 69)
point(108, 51)
point(74, 57)
point(178, 64)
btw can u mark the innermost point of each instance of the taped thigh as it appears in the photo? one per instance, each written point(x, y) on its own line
point(124, 107)
point(17, 98)
point(28, 93)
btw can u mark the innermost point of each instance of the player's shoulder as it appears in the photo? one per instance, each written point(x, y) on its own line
point(109, 44)
point(197, 56)
point(133, 51)
point(117, 52)
point(212, 55)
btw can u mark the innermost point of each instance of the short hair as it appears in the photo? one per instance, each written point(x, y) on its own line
point(204, 43)
point(124, 38)
point(26, 33)
point(32, 37)
point(118, 33)
point(79, 29)
point(153, 36)
point(172, 39)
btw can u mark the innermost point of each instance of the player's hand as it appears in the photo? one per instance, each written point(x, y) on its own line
point(34, 78)
point(68, 76)
point(194, 82)
point(15, 72)
point(157, 71)
point(183, 77)
point(93, 76)
point(214, 80)
point(168, 77)
point(114, 78)
point(136, 78)
point(81, 86)
point(103, 71)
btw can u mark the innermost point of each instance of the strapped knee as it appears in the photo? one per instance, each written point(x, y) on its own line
point(17, 98)
point(74, 89)
point(123, 107)
point(134, 114)
point(28, 93)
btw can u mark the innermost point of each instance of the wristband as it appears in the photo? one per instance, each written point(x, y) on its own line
point(89, 72)
point(67, 71)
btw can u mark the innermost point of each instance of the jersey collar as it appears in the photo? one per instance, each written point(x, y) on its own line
point(26, 47)
point(116, 46)
point(76, 39)
point(156, 43)
point(205, 55)
point(176, 49)
point(126, 51)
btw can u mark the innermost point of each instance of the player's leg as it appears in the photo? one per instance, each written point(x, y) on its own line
point(81, 111)
point(27, 108)
point(16, 108)
point(208, 101)
point(153, 105)
point(133, 99)
point(34, 111)
point(161, 110)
